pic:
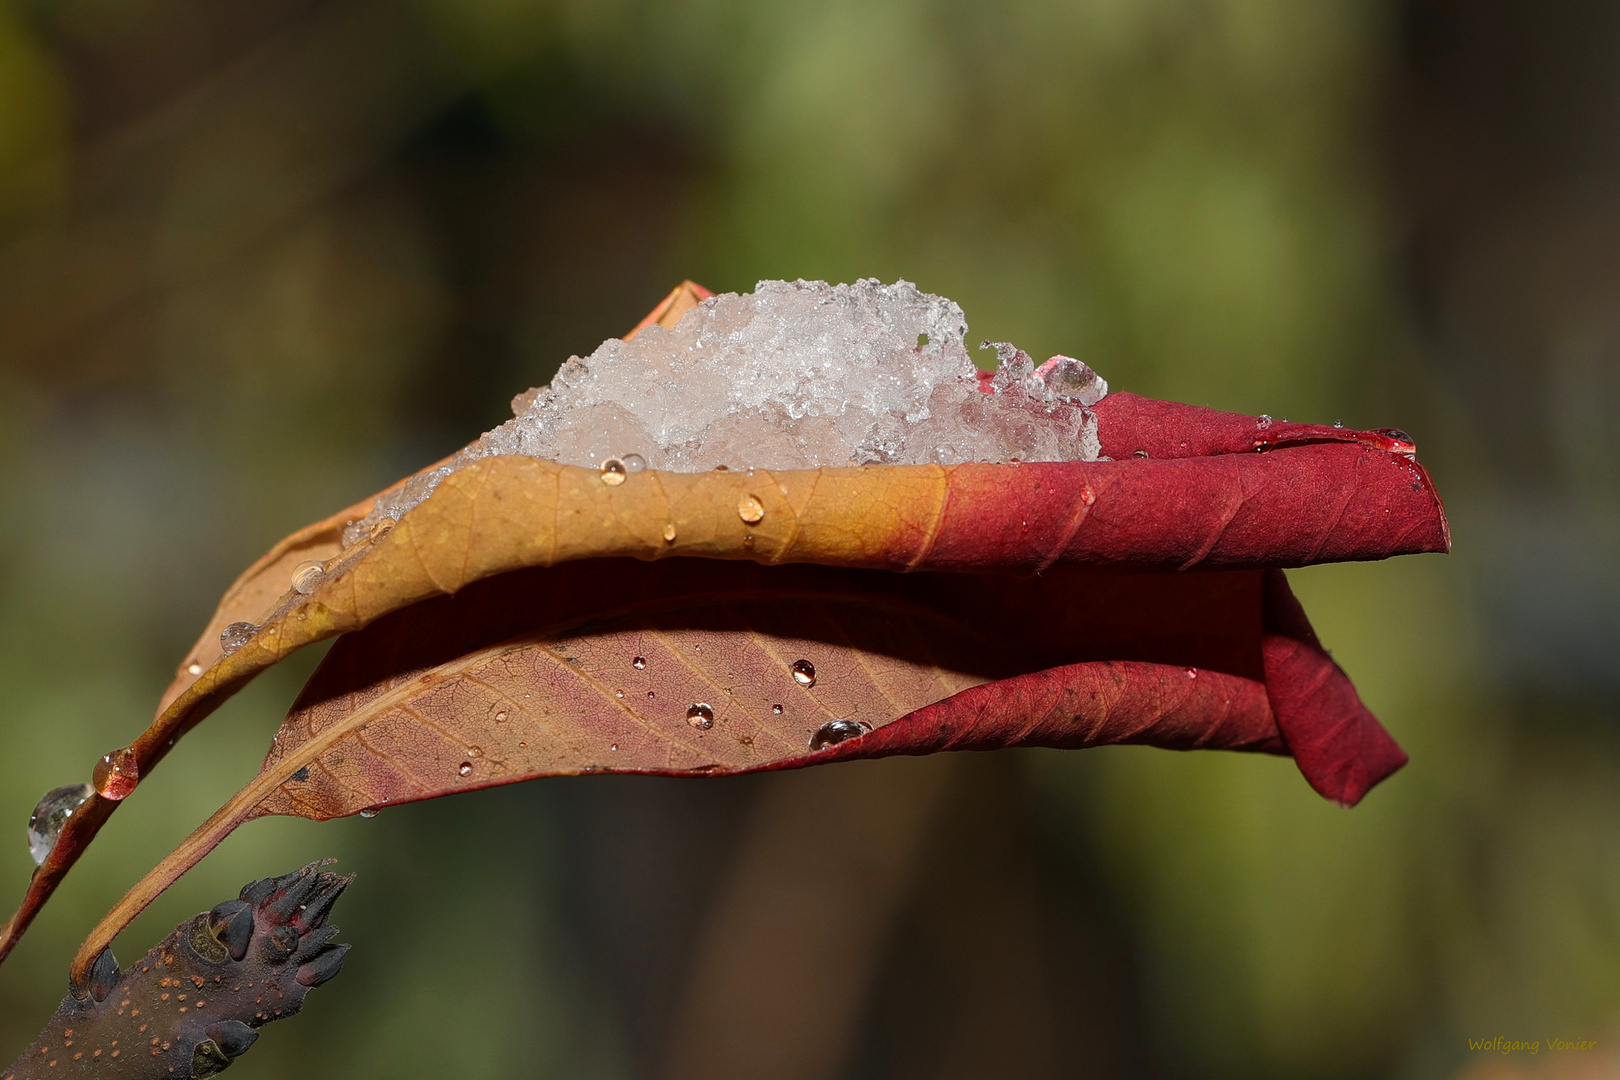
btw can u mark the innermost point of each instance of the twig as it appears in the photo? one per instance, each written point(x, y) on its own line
point(195, 1002)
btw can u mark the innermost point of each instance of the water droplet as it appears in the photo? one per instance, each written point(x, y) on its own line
point(381, 528)
point(1087, 496)
point(777, 709)
point(1192, 673)
point(669, 534)
point(750, 509)
point(804, 673)
point(700, 716)
point(236, 635)
point(651, 695)
point(116, 774)
point(639, 662)
point(1395, 433)
point(836, 731)
point(722, 468)
point(614, 746)
point(368, 813)
point(523, 746)
point(500, 717)
point(634, 462)
point(194, 668)
point(45, 823)
point(306, 576)
point(613, 472)
point(475, 751)
point(1263, 423)
point(748, 541)
point(1338, 423)
point(466, 767)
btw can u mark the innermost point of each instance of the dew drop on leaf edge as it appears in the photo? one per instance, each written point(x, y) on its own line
point(613, 472)
point(116, 774)
point(834, 732)
point(52, 812)
point(306, 576)
point(236, 635)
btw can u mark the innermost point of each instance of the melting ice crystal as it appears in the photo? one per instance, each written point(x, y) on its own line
point(796, 374)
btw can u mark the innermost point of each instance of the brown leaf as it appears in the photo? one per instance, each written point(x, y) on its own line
point(1196, 493)
point(699, 667)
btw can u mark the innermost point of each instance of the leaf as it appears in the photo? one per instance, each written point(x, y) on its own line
point(1191, 489)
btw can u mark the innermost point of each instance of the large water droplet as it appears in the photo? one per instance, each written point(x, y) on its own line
point(368, 813)
point(836, 731)
point(613, 472)
point(804, 673)
point(750, 509)
point(236, 635)
point(700, 716)
point(45, 823)
point(306, 576)
point(639, 662)
point(634, 462)
point(466, 767)
point(116, 774)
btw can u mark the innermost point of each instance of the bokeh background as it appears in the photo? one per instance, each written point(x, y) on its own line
point(259, 258)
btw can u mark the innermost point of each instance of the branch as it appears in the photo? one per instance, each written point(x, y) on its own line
point(195, 1003)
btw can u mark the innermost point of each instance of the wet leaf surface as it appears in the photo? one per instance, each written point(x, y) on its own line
point(972, 606)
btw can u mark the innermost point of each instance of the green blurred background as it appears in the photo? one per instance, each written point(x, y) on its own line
point(259, 258)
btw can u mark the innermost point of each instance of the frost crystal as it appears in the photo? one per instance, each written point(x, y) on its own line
point(795, 375)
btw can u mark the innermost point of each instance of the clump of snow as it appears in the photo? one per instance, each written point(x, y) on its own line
point(795, 375)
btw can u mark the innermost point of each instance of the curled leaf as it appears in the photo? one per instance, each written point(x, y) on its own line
point(554, 573)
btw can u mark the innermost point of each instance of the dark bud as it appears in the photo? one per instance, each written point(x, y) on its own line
point(312, 943)
point(323, 967)
point(257, 892)
point(231, 923)
point(231, 1036)
point(103, 975)
point(282, 941)
point(296, 894)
